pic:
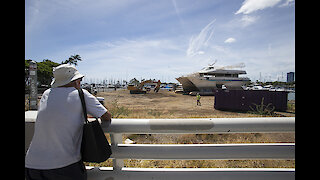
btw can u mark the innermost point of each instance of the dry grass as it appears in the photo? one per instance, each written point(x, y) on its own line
point(211, 138)
point(167, 104)
point(201, 163)
point(170, 105)
point(205, 139)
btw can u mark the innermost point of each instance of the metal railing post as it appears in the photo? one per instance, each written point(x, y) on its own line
point(115, 140)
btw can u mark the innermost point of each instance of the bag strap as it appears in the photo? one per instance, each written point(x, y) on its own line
point(84, 109)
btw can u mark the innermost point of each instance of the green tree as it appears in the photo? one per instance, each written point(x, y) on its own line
point(72, 60)
point(26, 71)
point(45, 68)
point(44, 71)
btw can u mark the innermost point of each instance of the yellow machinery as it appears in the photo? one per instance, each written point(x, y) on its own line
point(139, 89)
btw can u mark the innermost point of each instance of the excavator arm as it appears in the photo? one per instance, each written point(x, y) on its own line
point(156, 89)
point(140, 86)
point(139, 89)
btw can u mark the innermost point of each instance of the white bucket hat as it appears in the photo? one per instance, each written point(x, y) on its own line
point(64, 74)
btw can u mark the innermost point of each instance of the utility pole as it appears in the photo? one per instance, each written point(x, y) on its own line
point(33, 101)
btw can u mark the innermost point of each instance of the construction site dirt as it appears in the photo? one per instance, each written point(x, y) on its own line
point(166, 104)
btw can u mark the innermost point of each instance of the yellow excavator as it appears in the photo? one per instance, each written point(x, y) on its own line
point(139, 89)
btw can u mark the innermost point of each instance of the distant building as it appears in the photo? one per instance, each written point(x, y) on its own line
point(290, 77)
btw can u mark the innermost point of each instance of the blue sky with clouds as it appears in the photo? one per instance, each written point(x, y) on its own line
point(123, 39)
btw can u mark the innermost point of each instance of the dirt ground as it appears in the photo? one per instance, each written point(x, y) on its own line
point(167, 104)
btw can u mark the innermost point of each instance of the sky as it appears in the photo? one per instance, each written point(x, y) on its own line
point(163, 39)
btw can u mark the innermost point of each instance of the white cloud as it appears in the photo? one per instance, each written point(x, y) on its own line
point(287, 3)
point(139, 58)
point(247, 20)
point(177, 11)
point(197, 43)
point(148, 51)
point(249, 6)
point(230, 40)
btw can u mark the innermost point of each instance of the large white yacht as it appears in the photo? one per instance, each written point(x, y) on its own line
point(209, 79)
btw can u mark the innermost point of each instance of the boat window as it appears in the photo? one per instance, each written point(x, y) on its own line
point(219, 75)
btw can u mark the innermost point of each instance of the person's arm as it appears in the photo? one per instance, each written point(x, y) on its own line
point(95, 108)
point(106, 119)
point(106, 116)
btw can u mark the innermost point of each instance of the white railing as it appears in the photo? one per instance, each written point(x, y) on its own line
point(191, 151)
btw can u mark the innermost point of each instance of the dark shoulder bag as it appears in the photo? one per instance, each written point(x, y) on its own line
point(95, 146)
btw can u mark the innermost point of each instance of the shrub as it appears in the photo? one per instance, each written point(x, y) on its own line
point(116, 110)
point(262, 109)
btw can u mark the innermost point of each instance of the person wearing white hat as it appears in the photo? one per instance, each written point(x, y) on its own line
point(64, 74)
point(54, 152)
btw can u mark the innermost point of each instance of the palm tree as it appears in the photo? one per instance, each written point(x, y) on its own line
point(72, 60)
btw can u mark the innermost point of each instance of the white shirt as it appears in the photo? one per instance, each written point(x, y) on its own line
point(58, 131)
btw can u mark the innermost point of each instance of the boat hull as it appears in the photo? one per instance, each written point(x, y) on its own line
point(206, 84)
point(187, 85)
point(214, 83)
